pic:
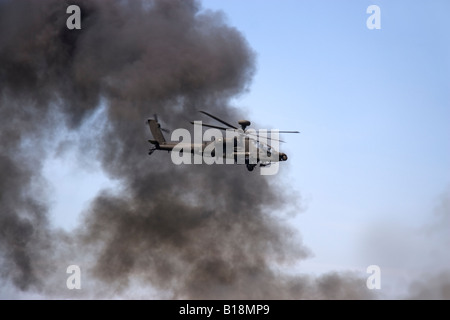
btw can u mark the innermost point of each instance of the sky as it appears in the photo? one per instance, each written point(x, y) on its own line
point(372, 160)
point(371, 164)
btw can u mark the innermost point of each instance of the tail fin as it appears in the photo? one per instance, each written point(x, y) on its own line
point(155, 128)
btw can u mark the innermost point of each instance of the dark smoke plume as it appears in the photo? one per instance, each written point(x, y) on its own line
point(185, 231)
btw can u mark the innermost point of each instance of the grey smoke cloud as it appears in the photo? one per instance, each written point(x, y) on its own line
point(188, 231)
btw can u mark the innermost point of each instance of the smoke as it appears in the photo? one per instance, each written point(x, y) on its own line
point(434, 280)
point(413, 257)
point(177, 231)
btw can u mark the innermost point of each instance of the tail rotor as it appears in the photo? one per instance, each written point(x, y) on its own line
point(159, 125)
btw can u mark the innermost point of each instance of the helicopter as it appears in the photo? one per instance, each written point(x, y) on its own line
point(240, 146)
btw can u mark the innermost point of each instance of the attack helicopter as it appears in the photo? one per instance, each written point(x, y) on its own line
point(241, 145)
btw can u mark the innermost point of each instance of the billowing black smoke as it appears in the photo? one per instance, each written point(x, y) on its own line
point(193, 231)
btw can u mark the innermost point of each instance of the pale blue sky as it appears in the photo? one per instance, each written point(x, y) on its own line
point(373, 107)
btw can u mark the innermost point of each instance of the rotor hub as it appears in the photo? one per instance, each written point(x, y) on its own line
point(244, 124)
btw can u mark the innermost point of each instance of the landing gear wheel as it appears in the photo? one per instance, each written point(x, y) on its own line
point(250, 167)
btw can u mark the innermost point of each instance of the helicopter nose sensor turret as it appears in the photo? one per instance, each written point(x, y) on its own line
point(283, 156)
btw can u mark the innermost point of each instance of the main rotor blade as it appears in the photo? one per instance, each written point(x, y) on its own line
point(258, 137)
point(282, 131)
point(220, 120)
point(211, 126)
